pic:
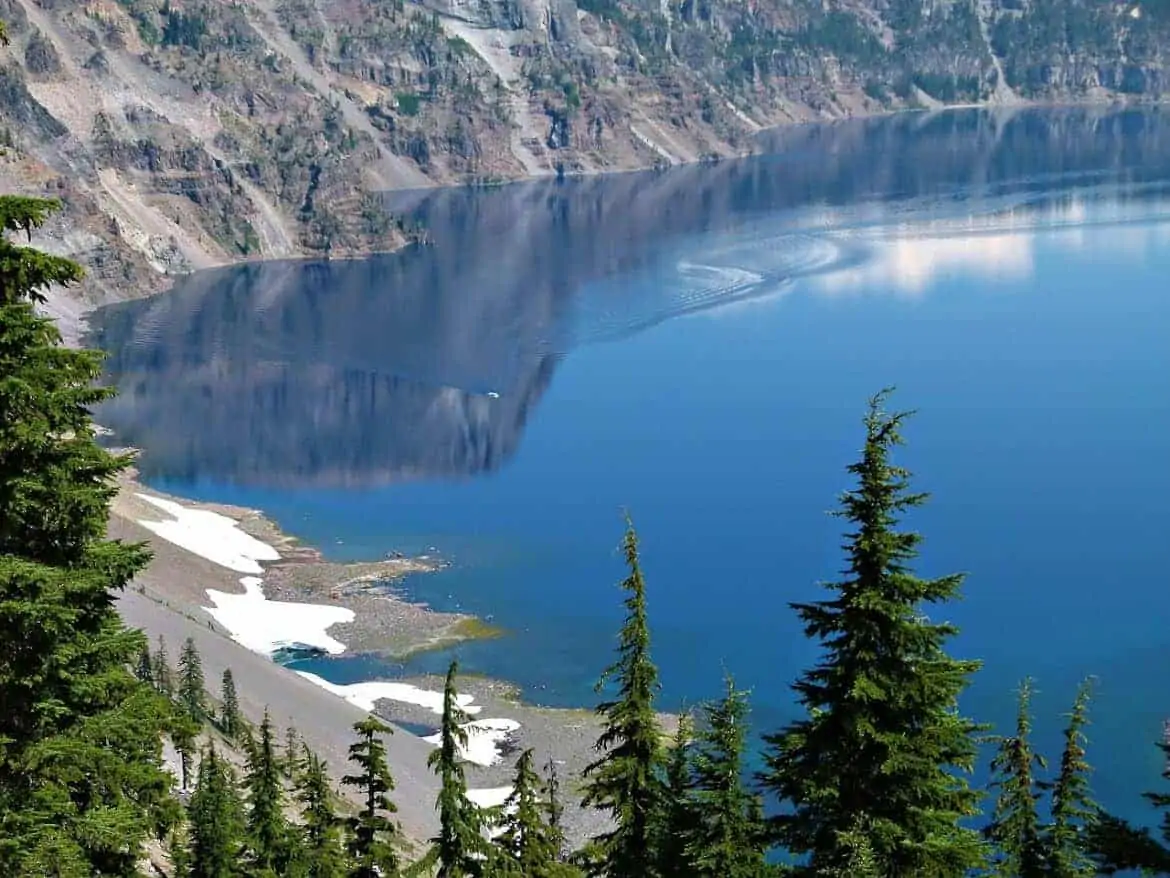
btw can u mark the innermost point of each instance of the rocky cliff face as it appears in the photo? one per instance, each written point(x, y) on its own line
point(189, 133)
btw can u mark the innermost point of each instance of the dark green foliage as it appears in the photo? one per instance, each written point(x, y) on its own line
point(531, 846)
point(883, 748)
point(26, 274)
point(81, 780)
point(857, 859)
point(727, 840)
point(268, 833)
point(184, 730)
point(164, 680)
point(144, 670)
point(216, 821)
point(556, 807)
point(192, 694)
point(1118, 846)
point(229, 711)
point(372, 831)
point(459, 847)
point(182, 29)
point(625, 780)
point(678, 818)
point(1073, 809)
point(292, 751)
point(179, 847)
point(1014, 830)
point(321, 854)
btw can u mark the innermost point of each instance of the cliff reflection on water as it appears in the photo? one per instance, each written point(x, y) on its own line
point(428, 363)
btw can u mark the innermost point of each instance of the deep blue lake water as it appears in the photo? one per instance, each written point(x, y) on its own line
point(696, 346)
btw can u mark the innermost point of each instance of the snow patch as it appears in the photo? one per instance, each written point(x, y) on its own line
point(209, 535)
point(493, 797)
point(366, 695)
point(483, 739)
point(489, 798)
point(265, 626)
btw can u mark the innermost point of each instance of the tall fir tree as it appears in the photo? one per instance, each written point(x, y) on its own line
point(322, 855)
point(728, 839)
point(460, 848)
point(215, 821)
point(554, 802)
point(229, 711)
point(164, 678)
point(192, 692)
point(531, 846)
point(1015, 832)
point(678, 816)
point(144, 670)
point(625, 781)
point(184, 732)
point(1073, 809)
point(292, 750)
point(81, 778)
point(372, 831)
point(268, 832)
point(883, 745)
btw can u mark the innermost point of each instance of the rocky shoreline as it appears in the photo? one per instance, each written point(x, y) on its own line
point(384, 621)
point(176, 589)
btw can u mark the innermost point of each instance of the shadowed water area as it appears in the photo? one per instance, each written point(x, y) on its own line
point(503, 394)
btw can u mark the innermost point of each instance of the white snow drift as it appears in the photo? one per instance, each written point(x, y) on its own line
point(483, 739)
point(253, 621)
point(365, 695)
point(265, 626)
point(210, 535)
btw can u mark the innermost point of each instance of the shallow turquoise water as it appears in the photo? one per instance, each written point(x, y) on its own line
point(697, 347)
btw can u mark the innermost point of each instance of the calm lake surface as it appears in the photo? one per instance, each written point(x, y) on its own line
point(696, 346)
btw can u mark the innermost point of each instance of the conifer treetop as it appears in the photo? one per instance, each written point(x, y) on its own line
point(626, 779)
point(26, 273)
point(883, 749)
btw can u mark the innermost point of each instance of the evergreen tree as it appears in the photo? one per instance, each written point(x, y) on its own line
point(556, 808)
point(163, 677)
point(229, 713)
point(1073, 810)
point(531, 845)
point(144, 670)
point(322, 855)
point(727, 840)
point(184, 731)
point(179, 848)
point(216, 821)
point(192, 692)
point(625, 780)
point(292, 751)
point(268, 832)
point(371, 843)
point(1014, 830)
point(1118, 846)
point(883, 746)
point(81, 777)
point(459, 848)
point(678, 818)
